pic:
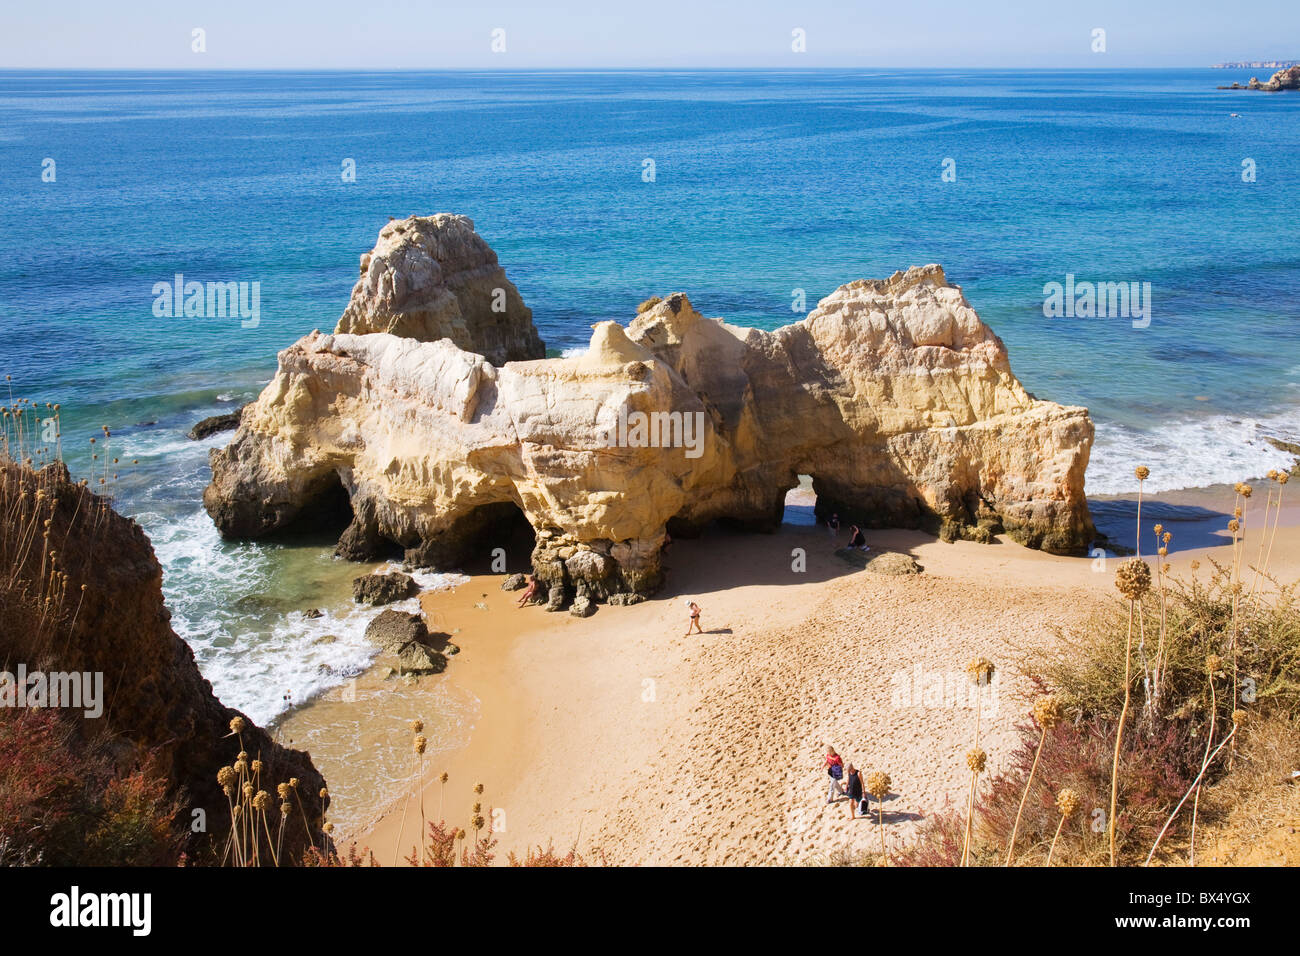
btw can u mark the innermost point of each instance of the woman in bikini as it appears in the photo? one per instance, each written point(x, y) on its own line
point(695, 619)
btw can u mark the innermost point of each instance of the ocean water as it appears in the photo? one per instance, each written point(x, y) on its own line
point(765, 183)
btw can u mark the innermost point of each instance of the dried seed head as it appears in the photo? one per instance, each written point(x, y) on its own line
point(1213, 664)
point(420, 743)
point(444, 778)
point(1166, 538)
point(980, 670)
point(1142, 472)
point(1234, 525)
point(257, 766)
point(1159, 528)
point(1133, 578)
point(324, 793)
point(286, 808)
point(261, 800)
point(226, 776)
point(478, 788)
point(237, 725)
point(417, 726)
point(1048, 711)
point(878, 784)
point(282, 789)
point(1240, 717)
point(976, 760)
point(1067, 801)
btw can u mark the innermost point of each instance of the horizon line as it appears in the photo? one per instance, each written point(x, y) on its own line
point(603, 69)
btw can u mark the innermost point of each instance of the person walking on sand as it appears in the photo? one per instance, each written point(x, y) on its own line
point(833, 526)
point(695, 619)
point(835, 771)
point(855, 790)
point(529, 592)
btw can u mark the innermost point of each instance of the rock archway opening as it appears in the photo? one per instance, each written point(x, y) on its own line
point(801, 504)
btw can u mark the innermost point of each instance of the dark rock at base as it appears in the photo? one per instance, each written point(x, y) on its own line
point(624, 598)
point(383, 588)
point(514, 582)
point(312, 613)
point(216, 423)
point(555, 598)
point(582, 606)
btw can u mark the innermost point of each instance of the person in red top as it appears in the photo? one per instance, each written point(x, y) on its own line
point(835, 771)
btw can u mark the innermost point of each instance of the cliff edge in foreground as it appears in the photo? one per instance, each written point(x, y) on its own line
point(83, 596)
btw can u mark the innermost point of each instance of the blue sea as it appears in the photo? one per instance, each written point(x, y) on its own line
point(764, 183)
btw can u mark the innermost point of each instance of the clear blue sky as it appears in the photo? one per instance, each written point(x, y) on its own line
point(434, 34)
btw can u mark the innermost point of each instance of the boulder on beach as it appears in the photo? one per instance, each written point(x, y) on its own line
point(514, 582)
point(406, 635)
point(383, 588)
point(421, 415)
point(582, 606)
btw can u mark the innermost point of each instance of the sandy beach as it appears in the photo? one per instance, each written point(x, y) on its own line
point(622, 737)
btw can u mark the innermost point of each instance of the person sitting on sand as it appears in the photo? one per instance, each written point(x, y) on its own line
point(695, 618)
point(529, 592)
point(857, 539)
point(834, 770)
point(855, 791)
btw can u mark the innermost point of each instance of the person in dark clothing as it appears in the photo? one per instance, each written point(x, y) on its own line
point(854, 788)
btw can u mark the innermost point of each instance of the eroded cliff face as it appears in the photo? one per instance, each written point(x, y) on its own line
point(107, 617)
point(892, 394)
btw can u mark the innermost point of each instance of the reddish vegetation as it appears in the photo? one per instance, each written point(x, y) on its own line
point(81, 591)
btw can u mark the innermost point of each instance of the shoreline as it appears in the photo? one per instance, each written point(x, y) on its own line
point(572, 753)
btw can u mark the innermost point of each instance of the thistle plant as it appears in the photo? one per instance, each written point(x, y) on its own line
point(878, 784)
point(1047, 712)
point(980, 670)
point(1133, 579)
point(1067, 803)
point(1143, 473)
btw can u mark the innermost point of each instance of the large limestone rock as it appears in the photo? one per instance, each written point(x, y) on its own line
point(433, 277)
point(892, 395)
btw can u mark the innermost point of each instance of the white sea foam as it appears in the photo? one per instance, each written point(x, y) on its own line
point(576, 351)
point(1189, 454)
point(261, 663)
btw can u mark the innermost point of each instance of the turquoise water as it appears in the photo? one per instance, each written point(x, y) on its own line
point(764, 183)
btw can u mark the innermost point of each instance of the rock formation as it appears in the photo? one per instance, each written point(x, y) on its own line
point(1285, 79)
point(160, 710)
point(433, 277)
point(893, 395)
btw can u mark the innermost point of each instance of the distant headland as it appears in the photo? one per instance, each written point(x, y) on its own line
point(1288, 79)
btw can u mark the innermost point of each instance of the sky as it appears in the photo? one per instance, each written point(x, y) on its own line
point(557, 34)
